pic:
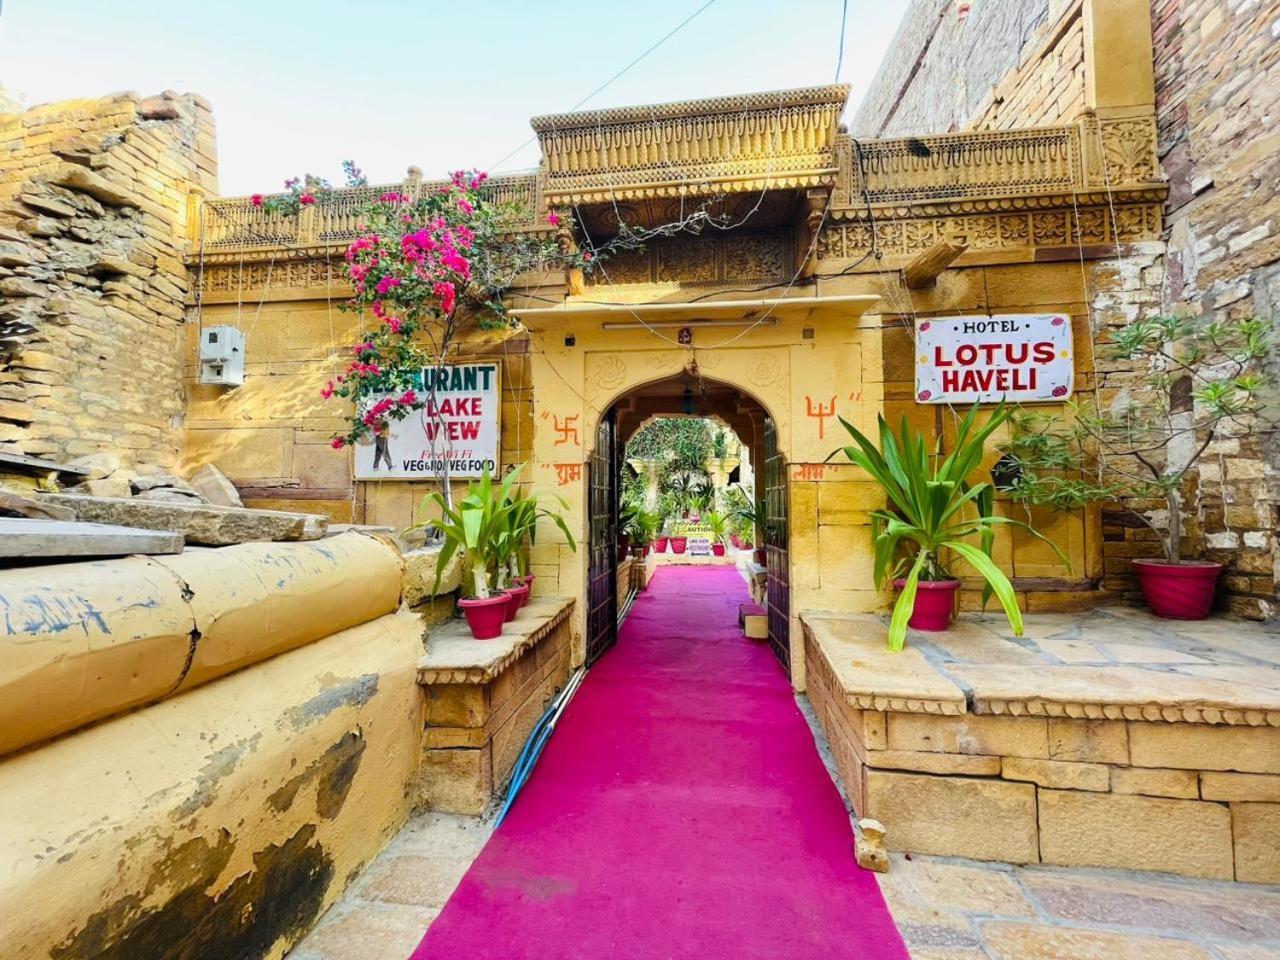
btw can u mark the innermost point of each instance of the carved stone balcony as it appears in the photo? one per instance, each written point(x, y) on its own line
point(780, 140)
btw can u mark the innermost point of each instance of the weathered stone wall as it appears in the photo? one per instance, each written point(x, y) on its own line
point(222, 820)
point(1016, 63)
point(1217, 96)
point(94, 199)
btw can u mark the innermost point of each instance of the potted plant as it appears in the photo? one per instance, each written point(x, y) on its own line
point(679, 543)
point(933, 509)
point(1198, 381)
point(525, 510)
point(752, 514)
point(719, 525)
point(643, 527)
point(475, 528)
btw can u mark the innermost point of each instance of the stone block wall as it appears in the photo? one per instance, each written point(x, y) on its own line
point(1195, 799)
point(1217, 94)
point(94, 201)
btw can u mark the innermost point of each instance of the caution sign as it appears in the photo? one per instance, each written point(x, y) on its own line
point(1019, 357)
point(457, 432)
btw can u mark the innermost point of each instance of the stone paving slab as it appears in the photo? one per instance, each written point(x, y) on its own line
point(1118, 664)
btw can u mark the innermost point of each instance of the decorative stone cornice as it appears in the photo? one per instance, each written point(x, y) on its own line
point(779, 140)
point(1150, 712)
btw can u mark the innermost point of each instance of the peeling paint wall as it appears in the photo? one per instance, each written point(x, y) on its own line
point(221, 822)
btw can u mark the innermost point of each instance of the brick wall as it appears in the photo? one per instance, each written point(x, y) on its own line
point(94, 196)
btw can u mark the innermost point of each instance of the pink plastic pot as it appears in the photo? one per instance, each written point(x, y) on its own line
point(718, 549)
point(1178, 591)
point(485, 616)
point(736, 541)
point(761, 556)
point(517, 596)
point(660, 544)
point(678, 544)
point(935, 600)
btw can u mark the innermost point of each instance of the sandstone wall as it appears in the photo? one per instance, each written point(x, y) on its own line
point(222, 820)
point(1017, 63)
point(94, 200)
point(1217, 96)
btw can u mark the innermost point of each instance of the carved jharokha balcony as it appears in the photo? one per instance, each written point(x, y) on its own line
point(772, 157)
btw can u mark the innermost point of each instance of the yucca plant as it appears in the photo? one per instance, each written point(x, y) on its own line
point(522, 526)
point(933, 508)
point(718, 524)
point(476, 527)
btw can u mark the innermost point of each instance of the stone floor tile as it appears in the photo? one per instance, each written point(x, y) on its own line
point(1231, 911)
point(1022, 941)
point(413, 879)
point(443, 835)
point(366, 931)
point(973, 889)
point(921, 927)
point(1246, 952)
point(949, 953)
point(896, 887)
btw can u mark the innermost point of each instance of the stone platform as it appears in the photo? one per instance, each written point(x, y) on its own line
point(483, 698)
point(1109, 739)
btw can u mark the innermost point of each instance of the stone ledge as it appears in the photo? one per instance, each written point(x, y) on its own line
point(454, 656)
point(1103, 665)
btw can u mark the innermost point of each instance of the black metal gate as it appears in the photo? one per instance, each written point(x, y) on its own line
point(778, 590)
point(602, 540)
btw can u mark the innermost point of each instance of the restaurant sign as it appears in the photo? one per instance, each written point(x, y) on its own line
point(1018, 357)
point(456, 431)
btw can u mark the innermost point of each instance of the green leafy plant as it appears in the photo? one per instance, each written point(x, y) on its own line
point(718, 524)
point(522, 526)
point(932, 508)
point(642, 526)
point(1196, 381)
point(474, 528)
point(751, 514)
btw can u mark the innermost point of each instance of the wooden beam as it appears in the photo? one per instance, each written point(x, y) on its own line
point(925, 266)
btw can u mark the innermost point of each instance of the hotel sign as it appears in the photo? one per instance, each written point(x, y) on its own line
point(1017, 357)
point(457, 430)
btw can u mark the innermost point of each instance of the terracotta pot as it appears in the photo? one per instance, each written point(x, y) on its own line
point(1178, 591)
point(678, 544)
point(660, 544)
point(718, 549)
point(934, 602)
point(485, 616)
point(517, 596)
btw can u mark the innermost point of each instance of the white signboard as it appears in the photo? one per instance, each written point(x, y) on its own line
point(457, 429)
point(699, 546)
point(1018, 357)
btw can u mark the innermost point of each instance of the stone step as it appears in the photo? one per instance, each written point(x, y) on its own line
point(54, 539)
point(203, 524)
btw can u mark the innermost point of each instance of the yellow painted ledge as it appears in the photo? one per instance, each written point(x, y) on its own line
point(455, 656)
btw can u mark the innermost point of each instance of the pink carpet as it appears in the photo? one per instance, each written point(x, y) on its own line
point(680, 810)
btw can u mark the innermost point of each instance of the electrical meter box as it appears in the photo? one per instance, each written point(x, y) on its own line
point(222, 356)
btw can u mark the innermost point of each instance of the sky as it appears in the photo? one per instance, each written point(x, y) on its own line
point(298, 87)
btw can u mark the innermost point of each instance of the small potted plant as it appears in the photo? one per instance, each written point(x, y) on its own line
point(933, 509)
point(475, 529)
point(719, 526)
point(523, 515)
point(679, 543)
point(752, 515)
point(1199, 381)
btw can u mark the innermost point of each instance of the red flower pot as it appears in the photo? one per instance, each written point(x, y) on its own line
point(934, 602)
point(1178, 591)
point(718, 549)
point(761, 556)
point(660, 544)
point(485, 616)
point(647, 548)
point(678, 544)
point(736, 541)
point(517, 596)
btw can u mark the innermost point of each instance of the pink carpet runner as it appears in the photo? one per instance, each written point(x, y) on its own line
point(680, 811)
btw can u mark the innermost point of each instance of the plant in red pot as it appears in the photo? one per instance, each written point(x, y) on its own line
point(679, 544)
point(1201, 382)
point(524, 512)
point(932, 508)
point(718, 523)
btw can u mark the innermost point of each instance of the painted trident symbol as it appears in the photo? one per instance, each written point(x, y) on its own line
point(821, 413)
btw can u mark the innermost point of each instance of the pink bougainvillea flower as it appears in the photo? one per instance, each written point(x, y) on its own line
point(386, 284)
point(361, 348)
point(394, 324)
point(447, 294)
point(465, 206)
point(409, 398)
point(307, 199)
point(256, 199)
point(391, 197)
point(587, 257)
point(327, 391)
point(553, 219)
point(338, 443)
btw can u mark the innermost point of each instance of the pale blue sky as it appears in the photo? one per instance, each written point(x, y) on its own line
point(300, 86)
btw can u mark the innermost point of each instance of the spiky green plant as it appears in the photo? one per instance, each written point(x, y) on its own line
point(933, 508)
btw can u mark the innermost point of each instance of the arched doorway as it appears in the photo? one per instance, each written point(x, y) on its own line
point(687, 394)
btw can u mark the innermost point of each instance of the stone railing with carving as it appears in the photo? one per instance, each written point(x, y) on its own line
point(233, 225)
point(784, 139)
